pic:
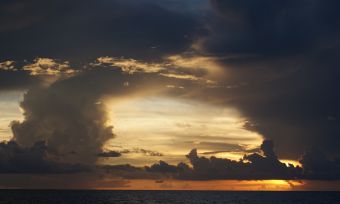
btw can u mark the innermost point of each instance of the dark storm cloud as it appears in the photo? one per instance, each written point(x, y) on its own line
point(294, 109)
point(317, 165)
point(83, 30)
point(34, 160)
point(287, 61)
point(284, 27)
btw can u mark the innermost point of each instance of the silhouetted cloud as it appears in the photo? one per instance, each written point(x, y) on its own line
point(37, 159)
point(163, 167)
point(109, 154)
point(128, 171)
point(267, 148)
point(253, 166)
point(33, 160)
point(142, 151)
point(317, 165)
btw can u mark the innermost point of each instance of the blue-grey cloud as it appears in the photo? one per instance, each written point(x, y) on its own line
point(288, 55)
point(15, 159)
point(83, 30)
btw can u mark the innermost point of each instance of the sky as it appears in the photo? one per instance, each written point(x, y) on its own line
point(171, 94)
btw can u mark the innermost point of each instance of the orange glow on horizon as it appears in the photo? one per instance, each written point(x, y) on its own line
point(212, 185)
point(98, 182)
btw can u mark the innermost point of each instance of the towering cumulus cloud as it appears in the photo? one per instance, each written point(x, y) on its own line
point(68, 115)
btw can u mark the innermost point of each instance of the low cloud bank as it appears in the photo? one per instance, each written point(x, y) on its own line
point(37, 160)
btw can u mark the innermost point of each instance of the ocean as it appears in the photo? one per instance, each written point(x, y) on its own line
point(167, 197)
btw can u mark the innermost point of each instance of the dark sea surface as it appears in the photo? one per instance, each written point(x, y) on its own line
point(171, 197)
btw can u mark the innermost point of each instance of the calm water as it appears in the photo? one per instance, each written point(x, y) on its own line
point(101, 197)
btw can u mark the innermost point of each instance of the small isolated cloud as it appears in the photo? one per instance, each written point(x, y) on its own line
point(142, 151)
point(109, 154)
point(181, 76)
point(7, 65)
point(47, 66)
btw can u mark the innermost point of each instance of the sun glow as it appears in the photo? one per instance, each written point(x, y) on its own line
point(174, 127)
point(215, 185)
